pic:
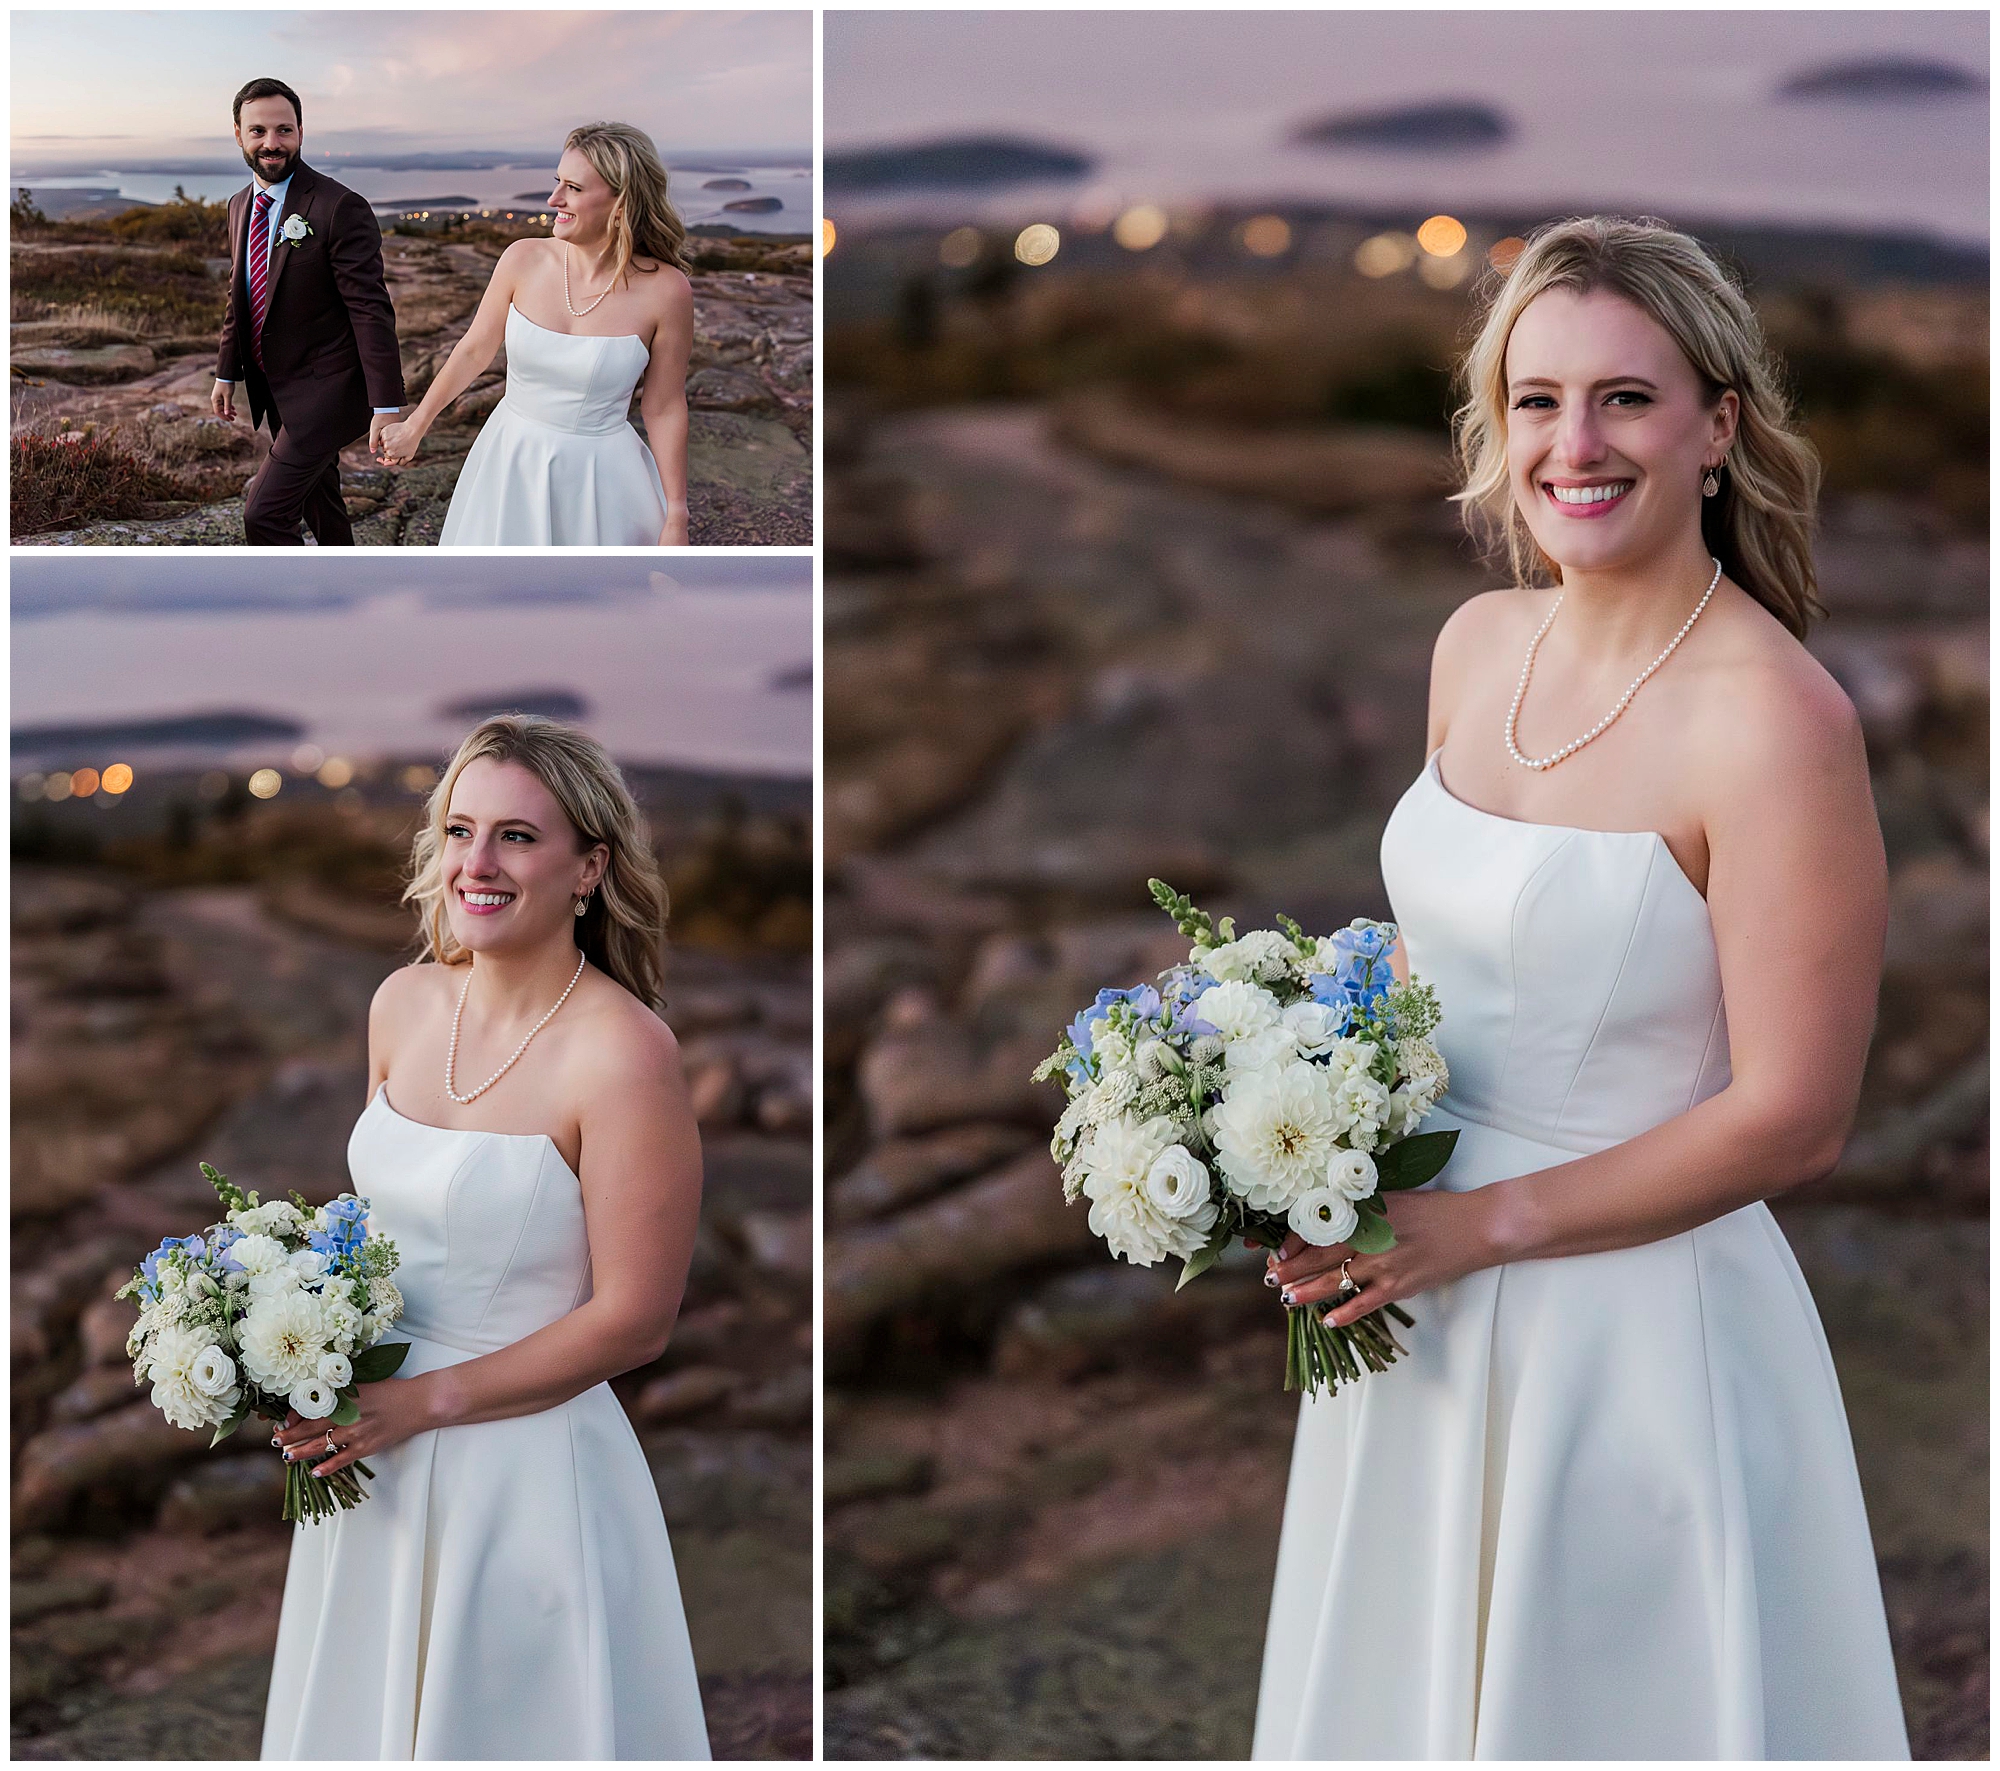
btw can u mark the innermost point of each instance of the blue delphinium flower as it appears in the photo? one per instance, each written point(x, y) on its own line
point(221, 1240)
point(1143, 999)
point(346, 1230)
point(150, 1266)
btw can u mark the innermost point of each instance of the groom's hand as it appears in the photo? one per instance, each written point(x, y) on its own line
point(376, 426)
point(222, 402)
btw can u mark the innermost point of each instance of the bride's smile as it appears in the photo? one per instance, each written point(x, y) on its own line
point(507, 885)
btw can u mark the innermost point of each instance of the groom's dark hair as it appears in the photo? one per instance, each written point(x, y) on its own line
point(266, 89)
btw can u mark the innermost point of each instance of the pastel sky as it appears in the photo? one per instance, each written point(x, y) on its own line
point(111, 88)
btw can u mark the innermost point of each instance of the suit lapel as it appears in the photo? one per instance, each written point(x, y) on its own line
point(296, 194)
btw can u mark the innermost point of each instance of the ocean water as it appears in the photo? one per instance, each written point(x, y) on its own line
point(707, 668)
point(488, 187)
point(1676, 113)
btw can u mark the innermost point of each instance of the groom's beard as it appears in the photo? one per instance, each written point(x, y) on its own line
point(271, 167)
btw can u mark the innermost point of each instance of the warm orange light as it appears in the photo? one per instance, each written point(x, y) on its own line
point(1266, 236)
point(1037, 243)
point(1141, 227)
point(117, 778)
point(83, 783)
point(960, 248)
point(828, 233)
point(1383, 255)
point(1441, 236)
point(1502, 253)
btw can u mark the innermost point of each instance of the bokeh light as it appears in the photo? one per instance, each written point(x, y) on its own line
point(83, 783)
point(264, 784)
point(307, 758)
point(30, 786)
point(960, 248)
point(1502, 253)
point(56, 787)
point(828, 233)
point(1037, 243)
point(1445, 273)
point(1383, 255)
point(336, 771)
point(1441, 236)
point(1267, 236)
point(1141, 227)
point(418, 778)
point(117, 778)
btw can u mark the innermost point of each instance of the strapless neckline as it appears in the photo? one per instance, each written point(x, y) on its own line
point(595, 337)
point(1435, 777)
point(473, 1131)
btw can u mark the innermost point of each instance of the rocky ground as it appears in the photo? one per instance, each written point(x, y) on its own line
point(749, 396)
point(1064, 652)
point(156, 1027)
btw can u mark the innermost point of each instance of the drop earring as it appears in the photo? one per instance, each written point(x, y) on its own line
point(583, 904)
point(1713, 483)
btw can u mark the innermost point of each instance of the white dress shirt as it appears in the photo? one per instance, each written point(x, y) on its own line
point(273, 220)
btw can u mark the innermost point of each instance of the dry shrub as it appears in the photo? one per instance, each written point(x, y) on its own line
point(64, 479)
point(168, 291)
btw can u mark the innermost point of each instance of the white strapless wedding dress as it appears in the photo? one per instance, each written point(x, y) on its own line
point(506, 1591)
point(1608, 1507)
point(557, 463)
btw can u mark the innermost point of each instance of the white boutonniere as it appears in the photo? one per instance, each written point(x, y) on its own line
point(294, 229)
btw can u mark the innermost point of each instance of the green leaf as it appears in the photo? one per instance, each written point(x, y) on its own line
point(382, 1360)
point(1372, 1235)
point(347, 1411)
point(1195, 1265)
point(230, 1425)
point(1414, 1161)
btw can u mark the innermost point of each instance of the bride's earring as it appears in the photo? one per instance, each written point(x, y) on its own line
point(583, 904)
point(1713, 484)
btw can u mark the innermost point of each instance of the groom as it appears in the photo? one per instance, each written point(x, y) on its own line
point(309, 328)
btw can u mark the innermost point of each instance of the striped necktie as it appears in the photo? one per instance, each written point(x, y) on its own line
point(260, 272)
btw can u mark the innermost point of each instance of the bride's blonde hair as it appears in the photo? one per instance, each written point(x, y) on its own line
point(644, 222)
point(1760, 524)
point(625, 926)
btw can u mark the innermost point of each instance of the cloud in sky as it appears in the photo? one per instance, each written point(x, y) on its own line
point(157, 85)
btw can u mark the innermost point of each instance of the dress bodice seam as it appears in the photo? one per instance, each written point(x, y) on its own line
point(527, 1218)
point(1639, 913)
point(1513, 959)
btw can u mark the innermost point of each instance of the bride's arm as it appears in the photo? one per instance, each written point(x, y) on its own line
point(1797, 895)
point(470, 357)
point(663, 399)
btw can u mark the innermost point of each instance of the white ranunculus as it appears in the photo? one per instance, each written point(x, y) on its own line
point(1351, 1174)
point(1274, 1133)
point(214, 1372)
point(172, 1361)
point(1323, 1216)
point(314, 1398)
point(1258, 1051)
point(1177, 1183)
point(336, 1369)
point(1236, 1010)
point(282, 1339)
point(309, 1264)
point(1315, 1026)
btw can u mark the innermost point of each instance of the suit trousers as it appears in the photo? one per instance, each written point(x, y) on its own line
point(294, 488)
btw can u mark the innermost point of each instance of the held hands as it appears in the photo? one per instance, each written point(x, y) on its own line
point(394, 442)
point(391, 1411)
point(1439, 1237)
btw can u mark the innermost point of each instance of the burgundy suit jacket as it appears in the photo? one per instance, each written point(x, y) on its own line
point(330, 353)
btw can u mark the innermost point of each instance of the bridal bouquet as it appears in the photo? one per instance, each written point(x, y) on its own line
point(278, 1307)
point(1273, 1083)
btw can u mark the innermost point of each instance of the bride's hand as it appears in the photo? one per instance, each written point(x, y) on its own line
point(1439, 1237)
point(399, 444)
point(391, 1411)
point(674, 531)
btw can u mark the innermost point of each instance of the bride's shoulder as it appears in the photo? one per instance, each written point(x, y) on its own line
point(1482, 626)
point(411, 990)
point(619, 1041)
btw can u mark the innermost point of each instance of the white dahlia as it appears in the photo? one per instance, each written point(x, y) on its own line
point(282, 1338)
point(1258, 1051)
point(175, 1358)
point(1118, 1160)
point(1274, 1134)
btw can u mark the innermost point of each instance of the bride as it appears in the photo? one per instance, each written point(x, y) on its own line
point(506, 1590)
point(1608, 1507)
point(600, 307)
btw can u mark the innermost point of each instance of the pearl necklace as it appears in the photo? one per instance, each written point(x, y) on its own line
point(451, 1054)
point(1624, 700)
point(575, 311)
